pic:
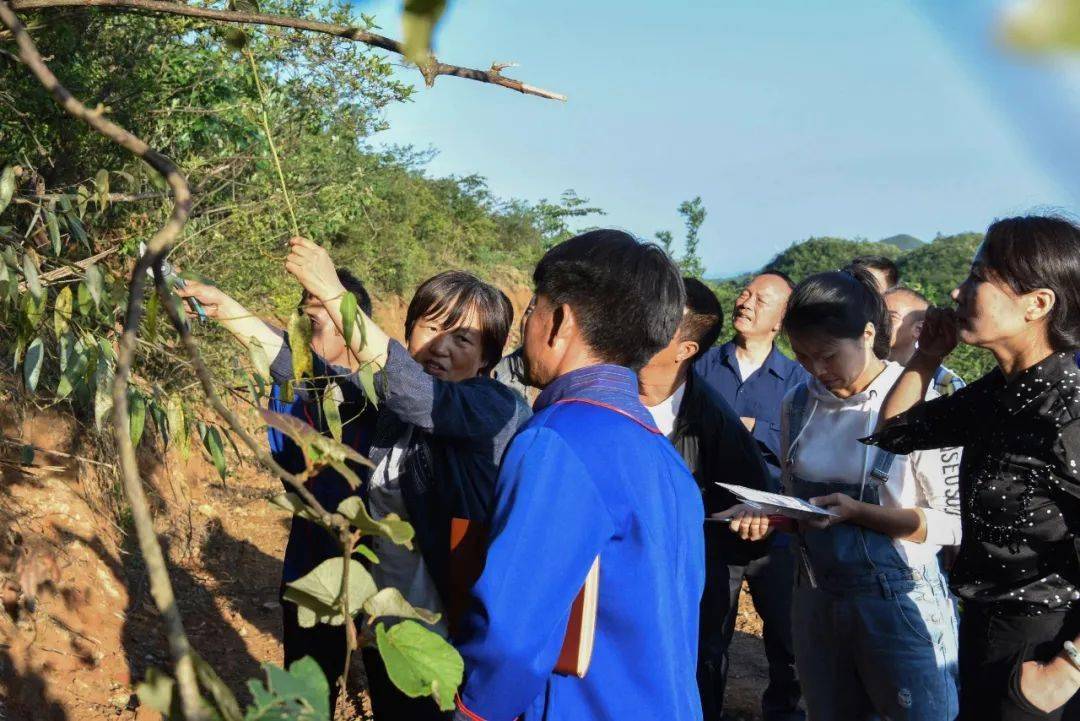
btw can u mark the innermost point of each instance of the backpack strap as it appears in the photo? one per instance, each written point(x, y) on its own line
point(796, 413)
point(883, 461)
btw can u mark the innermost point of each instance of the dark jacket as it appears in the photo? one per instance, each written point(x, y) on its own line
point(717, 448)
point(460, 432)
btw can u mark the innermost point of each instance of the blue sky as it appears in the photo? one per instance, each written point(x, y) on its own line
point(788, 118)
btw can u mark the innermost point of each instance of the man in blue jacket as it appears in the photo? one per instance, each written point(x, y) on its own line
point(591, 476)
point(753, 376)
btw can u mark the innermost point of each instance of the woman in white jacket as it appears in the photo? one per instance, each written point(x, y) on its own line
point(873, 625)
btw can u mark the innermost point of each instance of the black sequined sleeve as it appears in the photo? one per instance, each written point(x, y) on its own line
point(1067, 454)
point(944, 422)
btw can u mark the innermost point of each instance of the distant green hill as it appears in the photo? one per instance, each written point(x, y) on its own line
point(903, 241)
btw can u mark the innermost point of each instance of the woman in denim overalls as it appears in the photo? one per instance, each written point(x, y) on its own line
point(873, 625)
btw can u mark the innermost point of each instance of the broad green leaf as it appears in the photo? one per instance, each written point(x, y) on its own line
point(349, 313)
point(157, 412)
point(332, 414)
point(174, 414)
point(94, 283)
point(77, 230)
point(35, 355)
point(85, 300)
point(54, 230)
point(319, 592)
point(392, 527)
point(101, 185)
point(292, 503)
point(137, 415)
point(33, 311)
point(318, 449)
point(418, 23)
point(7, 186)
point(390, 602)
point(302, 694)
point(103, 377)
point(300, 332)
point(62, 311)
point(212, 441)
point(6, 283)
point(82, 194)
point(33, 282)
point(367, 382)
point(259, 359)
point(150, 319)
point(366, 553)
point(420, 662)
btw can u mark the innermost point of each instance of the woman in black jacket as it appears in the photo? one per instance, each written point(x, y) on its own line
point(1018, 572)
point(442, 426)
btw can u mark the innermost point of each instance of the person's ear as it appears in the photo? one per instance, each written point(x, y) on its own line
point(563, 324)
point(916, 329)
point(869, 334)
point(687, 349)
point(1040, 302)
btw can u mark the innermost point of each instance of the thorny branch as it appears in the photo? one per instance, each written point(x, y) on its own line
point(430, 70)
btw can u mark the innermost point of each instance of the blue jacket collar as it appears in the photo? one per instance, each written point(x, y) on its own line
point(776, 362)
point(609, 386)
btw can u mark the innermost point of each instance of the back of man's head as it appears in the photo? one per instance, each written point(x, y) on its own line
point(909, 296)
point(703, 320)
point(627, 296)
point(884, 271)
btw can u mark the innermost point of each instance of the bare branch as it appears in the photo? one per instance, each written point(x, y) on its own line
point(430, 71)
point(160, 586)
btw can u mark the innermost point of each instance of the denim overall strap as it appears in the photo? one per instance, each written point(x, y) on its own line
point(845, 558)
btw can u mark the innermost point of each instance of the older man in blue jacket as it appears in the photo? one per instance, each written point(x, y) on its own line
point(590, 475)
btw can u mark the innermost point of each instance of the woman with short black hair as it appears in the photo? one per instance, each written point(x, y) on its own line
point(441, 430)
point(1018, 574)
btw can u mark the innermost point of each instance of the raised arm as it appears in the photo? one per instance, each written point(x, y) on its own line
point(937, 338)
point(312, 266)
point(233, 317)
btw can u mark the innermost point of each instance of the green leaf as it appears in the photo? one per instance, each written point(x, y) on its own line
point(212, 442)
point(33, 311)
point(35, 354)
point(317, 448)
point(300, 332)
point(302, 694)
point(392, 527)
point(319, 592)
point(7, 186)
point(137, 415)
point(174, 414)
point(420, 662)
point(85, 300)
point(158, 692)
point(332, 413)
point(77, 230)
point(94, 283)
point(367, 382)
point(30, 271)
point(103, 376)
point(418, 23)
point(54, 230)
point(390, 602)
point(366, 553)
point(101, 185)
point(292, 503)
point(26, 455)
point(152, 314)
point(259, 359)
point(62, 311)
point(349, 312)
point(6, 284)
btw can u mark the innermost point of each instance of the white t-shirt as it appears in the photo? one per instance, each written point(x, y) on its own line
point(827, 448)
point(399, 567)
point(747, 367)
point(665, 412)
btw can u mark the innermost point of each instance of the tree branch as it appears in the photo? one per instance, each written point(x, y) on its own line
point(430, 71)
point(160, 586)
